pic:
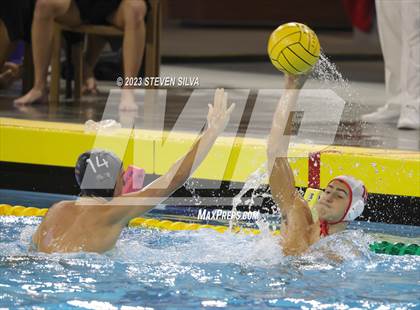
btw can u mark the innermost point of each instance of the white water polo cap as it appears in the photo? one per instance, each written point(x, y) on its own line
point(358, 197)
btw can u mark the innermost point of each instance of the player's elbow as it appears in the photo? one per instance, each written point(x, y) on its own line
point(271, 158)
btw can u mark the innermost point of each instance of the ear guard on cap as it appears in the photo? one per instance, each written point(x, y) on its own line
point(356, 209)
point(133, 179)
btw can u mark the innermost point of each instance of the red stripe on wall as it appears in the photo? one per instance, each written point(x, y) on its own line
point(314, 169)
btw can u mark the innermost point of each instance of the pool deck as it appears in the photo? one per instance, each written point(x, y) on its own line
point(366, 91)
point(233, 157)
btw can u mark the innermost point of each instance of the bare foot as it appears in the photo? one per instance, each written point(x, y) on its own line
point(128, 102)
point(33, 96)
point(9, 73)
point(6, 79)
point(90, 86)
point(15, 68)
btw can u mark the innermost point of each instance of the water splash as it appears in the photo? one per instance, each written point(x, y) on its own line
point(190, 185)
point(254, 182)
point(326, 71)
point(327, 76)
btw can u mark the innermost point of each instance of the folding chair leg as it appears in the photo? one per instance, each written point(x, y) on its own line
point(68, 63)
point(28, 69)
point(77, 53)
point(55, 68)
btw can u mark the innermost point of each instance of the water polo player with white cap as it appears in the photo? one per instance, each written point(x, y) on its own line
point(342, 201)
point(351, 202)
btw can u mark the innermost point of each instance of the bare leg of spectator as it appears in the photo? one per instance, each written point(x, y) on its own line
point(46, 12)
point(130, 17)
point(95, 45)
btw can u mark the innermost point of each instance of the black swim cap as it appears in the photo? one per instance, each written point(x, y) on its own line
point(96, 173)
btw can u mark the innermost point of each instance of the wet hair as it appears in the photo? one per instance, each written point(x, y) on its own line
point(96, 173)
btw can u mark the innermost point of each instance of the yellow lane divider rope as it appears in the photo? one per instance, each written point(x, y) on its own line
point(136, 222)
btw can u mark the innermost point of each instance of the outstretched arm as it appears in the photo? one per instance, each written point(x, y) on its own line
point(134, 204)
point(282, 182)
point(295, 213)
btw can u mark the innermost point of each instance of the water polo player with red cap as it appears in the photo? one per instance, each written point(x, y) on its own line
point(342, 201)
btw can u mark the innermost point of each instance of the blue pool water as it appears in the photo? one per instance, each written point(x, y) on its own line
point(151, 269)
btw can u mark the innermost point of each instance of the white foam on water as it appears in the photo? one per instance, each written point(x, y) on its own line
point(263, 250)
point(202, 246)
point(150, 246)
point(253, 182)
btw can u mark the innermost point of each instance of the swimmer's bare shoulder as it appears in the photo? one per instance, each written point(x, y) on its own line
point(56, 212)
point(59, 209)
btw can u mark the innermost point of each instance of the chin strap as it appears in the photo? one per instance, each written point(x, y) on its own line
point(323, 225)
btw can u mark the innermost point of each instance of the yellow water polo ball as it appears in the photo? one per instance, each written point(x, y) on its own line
point(293, 48)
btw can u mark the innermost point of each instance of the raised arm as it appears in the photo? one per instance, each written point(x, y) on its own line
point(281, 180)
point(136, 203)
